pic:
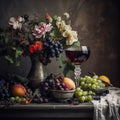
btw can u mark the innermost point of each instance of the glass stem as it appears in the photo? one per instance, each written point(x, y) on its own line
point(77, 72)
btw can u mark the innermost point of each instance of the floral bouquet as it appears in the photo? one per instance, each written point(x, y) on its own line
point(35, 37)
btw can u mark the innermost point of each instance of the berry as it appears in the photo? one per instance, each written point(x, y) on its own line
point(26, 102)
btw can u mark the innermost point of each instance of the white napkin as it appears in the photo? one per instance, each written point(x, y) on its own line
point(108, 108)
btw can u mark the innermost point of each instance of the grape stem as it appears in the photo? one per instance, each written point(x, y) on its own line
point(92, 74)
point(35, 93)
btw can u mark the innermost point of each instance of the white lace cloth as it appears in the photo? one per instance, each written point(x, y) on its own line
point(108, 108)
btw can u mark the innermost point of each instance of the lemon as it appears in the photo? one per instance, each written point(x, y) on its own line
point(105, 79)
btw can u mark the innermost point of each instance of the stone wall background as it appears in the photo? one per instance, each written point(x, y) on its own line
point(97, 23)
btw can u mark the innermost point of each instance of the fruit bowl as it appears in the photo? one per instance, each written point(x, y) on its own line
point(63, 94)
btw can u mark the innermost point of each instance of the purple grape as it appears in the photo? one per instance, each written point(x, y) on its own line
point(46, 84)
point(45, 100)
point(41, 100)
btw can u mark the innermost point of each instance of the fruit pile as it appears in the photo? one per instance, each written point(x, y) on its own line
point(87, 87)
point(15, 92)
point(56, 82)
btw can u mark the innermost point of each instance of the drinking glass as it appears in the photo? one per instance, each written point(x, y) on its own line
point(77, 55)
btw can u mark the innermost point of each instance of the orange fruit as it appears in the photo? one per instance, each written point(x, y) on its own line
point(105, 79)
point(18, 90)
point(69, 83)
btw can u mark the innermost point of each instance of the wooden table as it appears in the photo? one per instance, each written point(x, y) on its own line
point(83, 111)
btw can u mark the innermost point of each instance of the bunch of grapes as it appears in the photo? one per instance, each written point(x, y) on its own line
point(4, 90)
point(84, 95)
point(17, 99)
point(58, 84)
point(87, 87)
point(91, 83)
point(51, 49)
point(38, 98)
point(52, 81)
point(47, 85)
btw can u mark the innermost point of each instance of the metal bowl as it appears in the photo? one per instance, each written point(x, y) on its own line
point(63, 94)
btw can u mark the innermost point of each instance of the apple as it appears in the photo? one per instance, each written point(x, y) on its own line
point(18, 90)
point(69, 83)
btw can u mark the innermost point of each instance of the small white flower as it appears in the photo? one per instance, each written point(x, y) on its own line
point(59, 19)
point(21, 19)
point(16, 22)
point(68, 27)
point(71, 37)
point(67, 15)
point(61, 25)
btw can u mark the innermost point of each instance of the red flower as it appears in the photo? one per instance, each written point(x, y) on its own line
point(37, 46)
point(32, 48)
point(22, 38)
point(48, 17)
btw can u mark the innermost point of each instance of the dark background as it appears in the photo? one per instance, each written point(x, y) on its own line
point(97, 23)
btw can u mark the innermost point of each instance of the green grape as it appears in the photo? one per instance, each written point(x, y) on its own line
point(78, 89)
point(98, 87)
point(89, 97)
point(94, 81)
point(95, 77)
point(88, 78)
point(90, 92)
point(17, 98)
point(82, 83)
point(87, 81)
point(86, 99)
point(94, 87)
point(84, 86)
point(23, 99)
point(84, 93)
point(89, 85)
point(12, 99)
point(78, 94)
point(103, 85)
point(99, 81)
point(82, 99)
point(82, 79)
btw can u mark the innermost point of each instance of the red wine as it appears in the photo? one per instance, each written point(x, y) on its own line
point(78, 56)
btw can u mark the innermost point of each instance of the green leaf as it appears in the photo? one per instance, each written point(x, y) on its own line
point(13, 60)
point(18, 52)
point(7, 40)
point(76, 44)
point(9, 58)
point(68, 67)
point(61, 61)
point(21, 79)
point(16, 62)
point(55, 17)
point(52, 34)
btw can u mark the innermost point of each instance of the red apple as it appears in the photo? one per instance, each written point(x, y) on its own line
point(18, 90)
point(69, 83)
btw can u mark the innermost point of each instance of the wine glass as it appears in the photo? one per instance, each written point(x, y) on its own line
point(77, 55)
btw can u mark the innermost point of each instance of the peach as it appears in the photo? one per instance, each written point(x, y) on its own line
point(69, 83)
point(18, 90)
